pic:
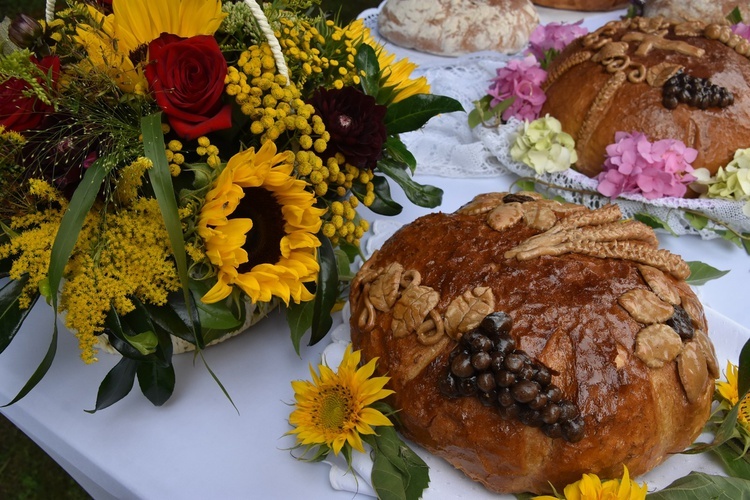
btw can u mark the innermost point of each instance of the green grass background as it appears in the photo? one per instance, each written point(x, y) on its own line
point(26, 471)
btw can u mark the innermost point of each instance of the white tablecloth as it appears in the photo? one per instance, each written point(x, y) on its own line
point(197, 445)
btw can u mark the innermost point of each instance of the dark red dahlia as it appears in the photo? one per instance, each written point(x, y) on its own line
point(356, 124)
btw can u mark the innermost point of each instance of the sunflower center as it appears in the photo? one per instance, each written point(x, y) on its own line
point(335, 408)
point(263, 243)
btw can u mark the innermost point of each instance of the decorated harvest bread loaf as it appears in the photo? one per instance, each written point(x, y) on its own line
point(588, 5)
point(530, 341)
point(455, 27)
point(683, 81)
point(712, 11)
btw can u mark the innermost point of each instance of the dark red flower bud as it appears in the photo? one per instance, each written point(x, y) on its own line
point(25, 31)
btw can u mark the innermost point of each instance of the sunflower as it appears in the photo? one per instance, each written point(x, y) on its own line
point(395, 75)
point(590, 487)
point(729, 391)
point(116, 45)
point(258, 225)
point(334, 409)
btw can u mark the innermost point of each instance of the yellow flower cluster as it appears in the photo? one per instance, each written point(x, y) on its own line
point(313, 55)
point(31, 244)
point(174, 157)
point(344, 223)
point(208, 150)
point(131, 179)
point(131, 258)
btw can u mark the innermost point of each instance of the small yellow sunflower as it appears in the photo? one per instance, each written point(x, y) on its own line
point(590, 487)
point(333, 410)
point(258, 226)
point(730, 392)
point(395, 75)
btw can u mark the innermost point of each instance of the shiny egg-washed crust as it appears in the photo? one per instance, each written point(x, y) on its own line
point(611, 80)
point(566, 313)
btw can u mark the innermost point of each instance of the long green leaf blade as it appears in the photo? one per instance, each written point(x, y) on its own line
point(11, 315)
point(161, 180)
point(299, 318)
point(367, 62)
point(72, 222)
point(40, 371)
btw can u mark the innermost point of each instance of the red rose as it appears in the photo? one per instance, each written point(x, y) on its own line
point(21, 112)
point(186, 76)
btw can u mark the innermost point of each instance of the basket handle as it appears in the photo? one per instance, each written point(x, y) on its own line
point(257, 11)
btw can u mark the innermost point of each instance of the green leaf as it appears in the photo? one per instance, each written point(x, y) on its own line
point(299, 317)
point(420, 195)
point(735, 16)
point(653, 222)
point(11, 315)
point(367, 63)
point(700, 486)
point(701, 273)
point(414, 111)
point(41, 370)
point(731, 236)
point(326, 292)
point(173, 317)
point(732, 457)
point(70, 226)
point(383, 204)
point(697, 221)
point(398, 472)
point(216, 316)
point(145, 342)
point(156, 382)
point(117, 384)
point(398, 151)
point(343, 265)
point(481, 112)
point(161, 180)
point(525, 185)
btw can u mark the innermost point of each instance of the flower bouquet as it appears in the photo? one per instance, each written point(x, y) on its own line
point(647, 177)
point(172, 171)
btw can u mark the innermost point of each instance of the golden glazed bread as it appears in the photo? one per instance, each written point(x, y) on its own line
point(598, 310)
point(586, 5)
point(615, 79)
point(455, 27)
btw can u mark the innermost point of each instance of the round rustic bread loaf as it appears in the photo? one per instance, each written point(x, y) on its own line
point(455, 27)
point(616, 78)
point(580, 310)
point(711, 11)
point(586, 5)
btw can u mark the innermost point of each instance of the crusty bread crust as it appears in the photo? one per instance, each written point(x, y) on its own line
point(455, 27)
point(568, 313)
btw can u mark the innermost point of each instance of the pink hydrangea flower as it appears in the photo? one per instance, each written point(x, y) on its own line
point(742, 29)
point(655, 170)
point(522, 79)
point(554, 36)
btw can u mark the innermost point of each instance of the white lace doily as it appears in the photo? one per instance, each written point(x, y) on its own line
point(447, 147)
